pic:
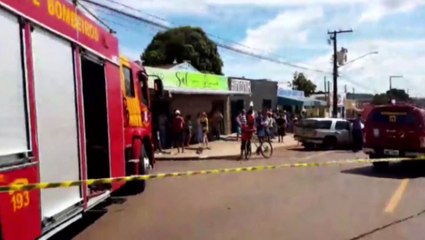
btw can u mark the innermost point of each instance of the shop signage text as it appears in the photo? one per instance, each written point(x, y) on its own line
point(238, 85)
point(281, 92)
point(187, 80)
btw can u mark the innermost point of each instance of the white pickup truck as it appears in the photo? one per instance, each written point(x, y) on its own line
point(324, 132)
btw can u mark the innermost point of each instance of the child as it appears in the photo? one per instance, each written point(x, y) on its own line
point(247, 132)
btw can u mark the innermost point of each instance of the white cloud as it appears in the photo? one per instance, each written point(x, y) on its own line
point(131, 53)
point(283, 3)
point(286, 27)
point(376, 10)
point(368, 74)
point(167, 7)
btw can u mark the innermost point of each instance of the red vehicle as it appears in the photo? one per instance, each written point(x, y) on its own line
point(62, 117)
point(395, 130)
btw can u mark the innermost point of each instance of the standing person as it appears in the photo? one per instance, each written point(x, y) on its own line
point(240, 121)
point(260, 128)
point(204, 125)
point(163, 124)
point(188, 129)
point(266, 124)
point(271, 124)
point(217, 118)
point(199, 128)
point(281, 127)
point(357, 134)
point(178, 131)
point(248, 130)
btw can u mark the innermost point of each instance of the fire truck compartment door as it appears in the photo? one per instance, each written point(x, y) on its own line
point(56, 120)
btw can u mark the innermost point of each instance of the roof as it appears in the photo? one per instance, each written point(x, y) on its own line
point(253, 79)
point(184, 66)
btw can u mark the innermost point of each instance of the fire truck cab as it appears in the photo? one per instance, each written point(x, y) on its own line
point(137, 119)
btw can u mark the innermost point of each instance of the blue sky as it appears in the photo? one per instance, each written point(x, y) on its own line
point(295, 31)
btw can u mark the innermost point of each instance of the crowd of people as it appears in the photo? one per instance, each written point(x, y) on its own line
point(181, 131)
point(266, 124)
point(178, 131)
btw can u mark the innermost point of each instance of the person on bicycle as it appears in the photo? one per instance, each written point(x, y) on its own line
point(248, 130)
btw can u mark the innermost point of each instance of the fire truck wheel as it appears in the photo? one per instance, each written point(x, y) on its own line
point(139, 152)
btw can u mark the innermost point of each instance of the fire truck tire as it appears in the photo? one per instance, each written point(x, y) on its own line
point(139, 153)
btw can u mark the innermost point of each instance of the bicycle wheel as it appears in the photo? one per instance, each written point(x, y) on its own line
point(266, 149)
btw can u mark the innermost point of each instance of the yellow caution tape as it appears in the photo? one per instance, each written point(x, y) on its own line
point(67, 184)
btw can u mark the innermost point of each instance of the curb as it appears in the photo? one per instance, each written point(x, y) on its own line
point(216, 157)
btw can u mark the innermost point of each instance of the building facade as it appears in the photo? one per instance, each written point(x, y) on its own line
point(262, 93)
point(193, 93)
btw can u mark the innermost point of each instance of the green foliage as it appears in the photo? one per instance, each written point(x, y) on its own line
point(300, 82)
point(184, 43)
point(397, 94)
point(380, 99)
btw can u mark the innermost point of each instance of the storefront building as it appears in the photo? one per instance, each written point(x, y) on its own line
point(295, 102)
point(240, 100)
point(192, 93)
point(263, 93)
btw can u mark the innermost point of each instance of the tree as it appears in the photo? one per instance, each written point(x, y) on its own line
point(384, 98)
point(181, 44)
point(398, 95)
point(380, 99)
point(300, 82)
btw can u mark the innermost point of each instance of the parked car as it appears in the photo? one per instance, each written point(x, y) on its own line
point(326, 132)
point(396, 130)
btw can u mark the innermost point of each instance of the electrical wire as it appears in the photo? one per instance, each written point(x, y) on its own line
point(121, 24)
point(161, 26)
point(225, 46)
point(94, 16)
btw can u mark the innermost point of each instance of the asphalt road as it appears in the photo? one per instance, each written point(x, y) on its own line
point(337, 202)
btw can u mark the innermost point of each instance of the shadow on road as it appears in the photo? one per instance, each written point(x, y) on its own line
point(89, 218)
point(411, 169)
point(302, 149)
point(367, 234)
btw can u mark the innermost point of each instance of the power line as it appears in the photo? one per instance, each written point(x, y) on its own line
point(148, 22)
point(138, 10)
point(165, 20)
point(121, 24)
point(225, 46)
point(94, 16)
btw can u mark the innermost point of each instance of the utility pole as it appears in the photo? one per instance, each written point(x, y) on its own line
point(329, 93)
point(324, 81)
point(325, 88)
point(345, 88)
point(354, 95)
point(391, 80)
point(333, 38)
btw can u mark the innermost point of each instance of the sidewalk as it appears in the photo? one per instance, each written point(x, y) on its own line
point(228, 147)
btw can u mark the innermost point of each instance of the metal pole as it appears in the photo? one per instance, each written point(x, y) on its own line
point(335, 79)
point(333, 37)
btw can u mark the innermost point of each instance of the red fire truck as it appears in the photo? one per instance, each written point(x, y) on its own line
point(71, 108)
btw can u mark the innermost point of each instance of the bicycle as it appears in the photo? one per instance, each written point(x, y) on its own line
point(264, 148)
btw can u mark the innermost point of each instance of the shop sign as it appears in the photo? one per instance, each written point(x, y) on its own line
point(187, 80)
point(282, 92)
point(239, 85)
